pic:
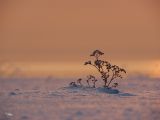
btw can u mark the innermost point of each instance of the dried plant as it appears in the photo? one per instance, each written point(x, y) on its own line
point(73, 84)
point(79, 81)
point(116, 73)
point(94, 82)
point(108, 72)
point(91, 78)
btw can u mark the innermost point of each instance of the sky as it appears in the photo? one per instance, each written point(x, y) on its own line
point(69, 30)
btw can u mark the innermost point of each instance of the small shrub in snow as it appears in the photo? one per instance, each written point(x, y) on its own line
point(73, 84)
point(107, 71)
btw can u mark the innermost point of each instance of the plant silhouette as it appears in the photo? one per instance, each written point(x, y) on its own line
point(92, 79)
point(107, 71)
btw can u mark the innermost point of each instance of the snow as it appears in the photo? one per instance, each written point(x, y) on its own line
point(54, 99)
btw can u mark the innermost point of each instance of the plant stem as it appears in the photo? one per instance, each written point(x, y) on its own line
point(105, 83)
point(111, 79)
point(110, 82)
point(96, 68)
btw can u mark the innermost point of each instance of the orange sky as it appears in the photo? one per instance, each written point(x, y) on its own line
point(69, 30)
point(66, 30)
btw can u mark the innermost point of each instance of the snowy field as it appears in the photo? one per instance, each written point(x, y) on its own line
point(52, 99)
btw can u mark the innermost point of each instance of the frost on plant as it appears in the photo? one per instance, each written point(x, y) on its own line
point(108, 72)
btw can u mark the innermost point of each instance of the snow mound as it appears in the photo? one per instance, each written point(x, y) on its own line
point(107, 90)
point(87, 89)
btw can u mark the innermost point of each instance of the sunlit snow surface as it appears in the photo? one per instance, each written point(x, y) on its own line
point(53, 99)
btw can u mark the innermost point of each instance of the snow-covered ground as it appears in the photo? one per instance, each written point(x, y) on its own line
point(52, 99)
